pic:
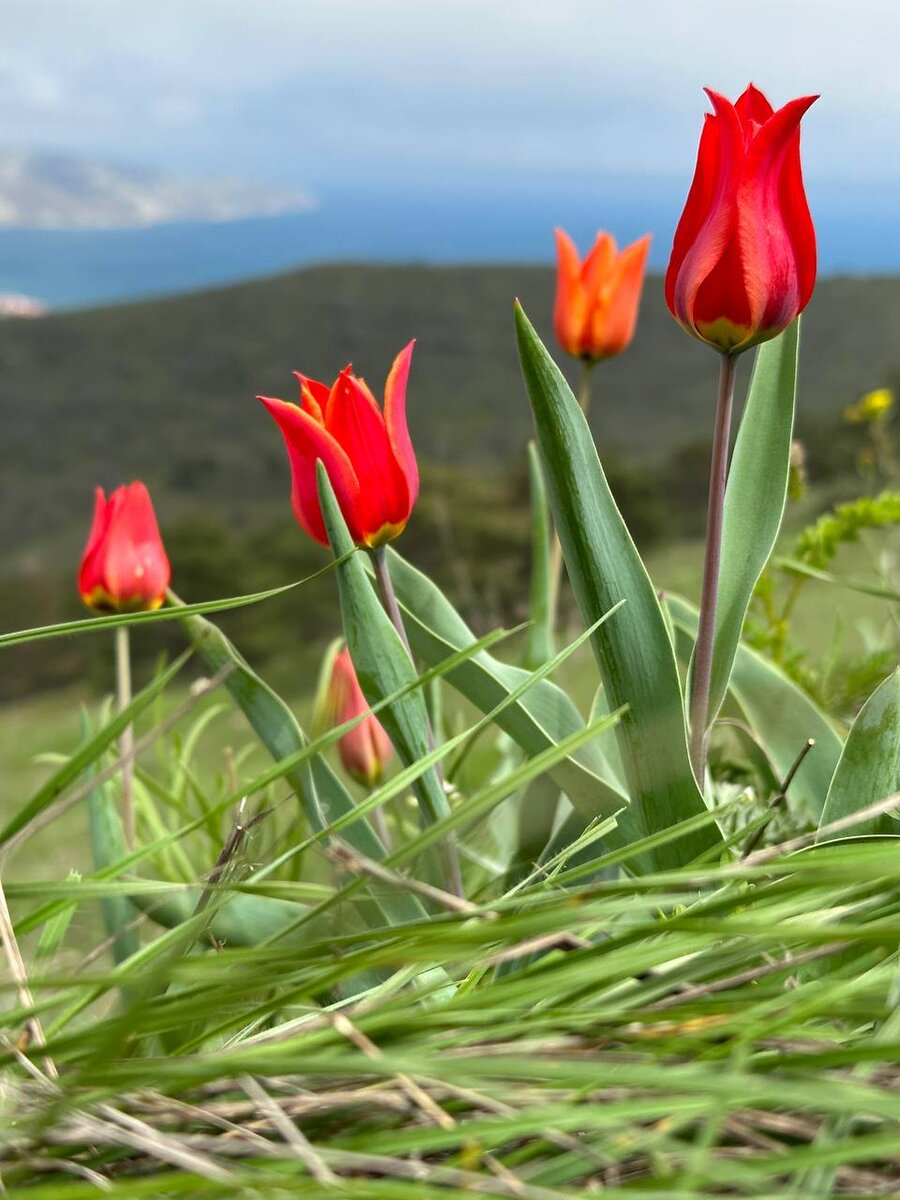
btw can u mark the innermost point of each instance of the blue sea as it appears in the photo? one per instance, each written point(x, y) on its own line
point(500, 224)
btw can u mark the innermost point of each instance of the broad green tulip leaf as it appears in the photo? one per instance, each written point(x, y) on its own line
point(754, 496)
point(380, 658)
point(118, 912)
point(74, 768)
point(243, 919)
point(781, 716)
point(539, 646)
point(107, 840)
point(535, 818)
point(633, 652)
point(869, 769)
point(613, 759)
point(541, 718)
point(321, 794)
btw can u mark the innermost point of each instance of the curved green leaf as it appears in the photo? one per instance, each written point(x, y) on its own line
point(869, 769)
point(539, 646)
point(541, 718)
point(380, 658)
point(633, 651)
point(113, 620)
point(535, 819)
point(107, 840)
point(754, 497)
point(242, 919)
point(781, 715)
point(323, 797)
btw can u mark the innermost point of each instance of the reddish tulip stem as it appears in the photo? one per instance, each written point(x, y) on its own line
point(126, 742)
point(703, 652)
point(389, 599)
point(556, 559)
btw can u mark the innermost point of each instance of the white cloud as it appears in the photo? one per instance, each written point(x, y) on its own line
point(299, 89)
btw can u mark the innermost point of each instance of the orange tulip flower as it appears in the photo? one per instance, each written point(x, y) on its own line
point(597, 300)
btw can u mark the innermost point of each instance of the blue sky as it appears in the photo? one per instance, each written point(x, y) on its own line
point(443, 93)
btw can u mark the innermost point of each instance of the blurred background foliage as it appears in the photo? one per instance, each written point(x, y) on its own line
point(163, 390)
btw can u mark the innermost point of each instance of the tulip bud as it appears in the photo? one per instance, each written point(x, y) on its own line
point(597, 300)
point(124, 567)
point(365, 750)
point(743, 262)
point(366, 451)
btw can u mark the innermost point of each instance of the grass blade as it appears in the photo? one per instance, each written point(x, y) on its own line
point(380, 659)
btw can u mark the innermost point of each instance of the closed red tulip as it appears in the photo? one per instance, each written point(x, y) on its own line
point(743, 262)
point(366, 451)
point(124, 567)
point(597, 300)
point(365, 750)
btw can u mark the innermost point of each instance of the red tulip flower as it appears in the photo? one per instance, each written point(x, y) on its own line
point(365, 750)
point(743, 261)
point(597, 300)
point(124, 567)
point(366, 451)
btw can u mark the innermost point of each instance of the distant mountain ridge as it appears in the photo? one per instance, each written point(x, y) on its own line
point(51, 191)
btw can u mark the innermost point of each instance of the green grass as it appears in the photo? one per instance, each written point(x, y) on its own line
point(705, 1033)
point(721, 1030)
point(48, 723)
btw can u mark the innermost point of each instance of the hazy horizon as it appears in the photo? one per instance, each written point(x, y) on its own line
point(455, 131)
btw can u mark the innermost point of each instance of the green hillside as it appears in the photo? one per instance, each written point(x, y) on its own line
point(164, 390)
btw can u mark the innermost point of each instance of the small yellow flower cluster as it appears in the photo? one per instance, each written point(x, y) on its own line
point(874, 408)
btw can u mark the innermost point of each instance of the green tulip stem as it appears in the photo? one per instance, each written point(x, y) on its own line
point(703, 652)
point(584, 384)
point(126, 742)
point(392, 608)
point(556, 558)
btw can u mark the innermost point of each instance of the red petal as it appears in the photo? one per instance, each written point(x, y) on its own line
point(697, 206)
point(355, 421)
point(397, 430)
point(135, 569)
point(313, 395)
point(770, 261)
point(89, 573)
point(798, 221)
point(366, 749)
point(715, 230)
point(308, 442)
point(752, 106)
